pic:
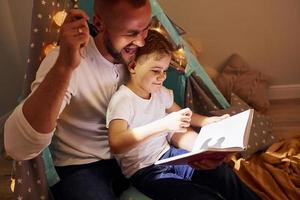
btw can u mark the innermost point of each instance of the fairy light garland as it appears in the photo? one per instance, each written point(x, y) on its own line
point(58, 19)
point(178, 55)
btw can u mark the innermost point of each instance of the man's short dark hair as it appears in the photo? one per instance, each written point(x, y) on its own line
point(100, 5)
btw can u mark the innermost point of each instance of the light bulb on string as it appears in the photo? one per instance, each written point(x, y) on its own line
point(157, 27)
point(49, 47)
point(180, 50)
point(60, 17)
point(75, 4)
point(179, 55)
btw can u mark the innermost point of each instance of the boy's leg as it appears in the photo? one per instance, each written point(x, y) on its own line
point(90, 181)
point(171, 182)
point(225, 181)
point(157, 183)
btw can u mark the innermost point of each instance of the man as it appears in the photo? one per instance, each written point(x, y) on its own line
point(70, 96)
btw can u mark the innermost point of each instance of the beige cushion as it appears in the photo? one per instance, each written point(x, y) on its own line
point(249, 85)
point(261, 135)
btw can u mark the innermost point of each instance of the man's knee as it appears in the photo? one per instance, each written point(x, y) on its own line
point(192, 191)
point(179, 190)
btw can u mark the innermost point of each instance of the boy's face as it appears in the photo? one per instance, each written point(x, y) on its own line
point(150, 74)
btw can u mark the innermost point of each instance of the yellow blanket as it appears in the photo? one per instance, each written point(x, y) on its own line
point(275, 173)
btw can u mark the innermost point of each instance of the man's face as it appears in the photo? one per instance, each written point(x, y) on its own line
point(125, 32)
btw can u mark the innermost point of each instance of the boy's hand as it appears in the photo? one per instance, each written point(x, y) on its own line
point(211, 162)
point(74, 35)
point(177, 121)
point(209, 120)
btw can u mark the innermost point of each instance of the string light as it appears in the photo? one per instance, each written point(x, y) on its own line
point(179, 56)
point(12, 184)
point(60, 17)
point(75, 4)
point(49, 47)
point(156, 26)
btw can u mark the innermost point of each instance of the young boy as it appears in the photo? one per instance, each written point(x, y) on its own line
point(145, 125)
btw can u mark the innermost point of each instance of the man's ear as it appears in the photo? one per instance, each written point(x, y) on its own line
point(98, 23)
point(131, 67)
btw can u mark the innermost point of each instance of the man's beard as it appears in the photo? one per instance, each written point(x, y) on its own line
point(112, 51)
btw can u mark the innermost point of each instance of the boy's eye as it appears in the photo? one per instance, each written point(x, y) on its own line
point(156, 71)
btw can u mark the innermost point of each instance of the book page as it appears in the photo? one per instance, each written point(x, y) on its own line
point(224, 134)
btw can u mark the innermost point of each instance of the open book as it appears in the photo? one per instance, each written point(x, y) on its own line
point(218, 139)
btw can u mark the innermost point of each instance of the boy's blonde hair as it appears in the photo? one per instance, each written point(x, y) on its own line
point(156, 43)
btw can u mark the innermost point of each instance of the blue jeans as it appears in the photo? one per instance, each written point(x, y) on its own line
point(101, 180)
point(183, 182)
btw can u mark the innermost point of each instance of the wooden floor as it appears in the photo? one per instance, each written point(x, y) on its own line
point(284, 113)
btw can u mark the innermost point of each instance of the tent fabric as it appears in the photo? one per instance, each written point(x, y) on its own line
point(32, 177)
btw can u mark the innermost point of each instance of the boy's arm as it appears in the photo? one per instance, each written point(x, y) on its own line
point(201, 120)
point(197, 120)
point(186, 140)
point(182, 140)
point(122, 139)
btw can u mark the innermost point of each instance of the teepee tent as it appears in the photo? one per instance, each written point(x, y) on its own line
point(188, 85)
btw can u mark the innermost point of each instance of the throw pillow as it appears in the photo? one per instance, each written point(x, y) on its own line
point(249, 85)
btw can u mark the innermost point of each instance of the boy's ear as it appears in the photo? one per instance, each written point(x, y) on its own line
point(131, 66)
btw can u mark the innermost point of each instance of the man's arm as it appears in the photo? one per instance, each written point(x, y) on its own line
point(41, 109)
point(42, 116)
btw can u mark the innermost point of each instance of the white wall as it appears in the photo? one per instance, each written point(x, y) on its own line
point(15, 22)
point(265, 32)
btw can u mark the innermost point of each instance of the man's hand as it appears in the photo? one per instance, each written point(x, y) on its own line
point(211, 162)
point(74, 35)
point(209, 120)
point(177, 121)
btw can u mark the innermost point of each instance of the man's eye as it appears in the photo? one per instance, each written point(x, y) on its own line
point(131, 35)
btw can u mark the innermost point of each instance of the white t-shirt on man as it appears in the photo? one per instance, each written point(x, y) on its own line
point(81, 135)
